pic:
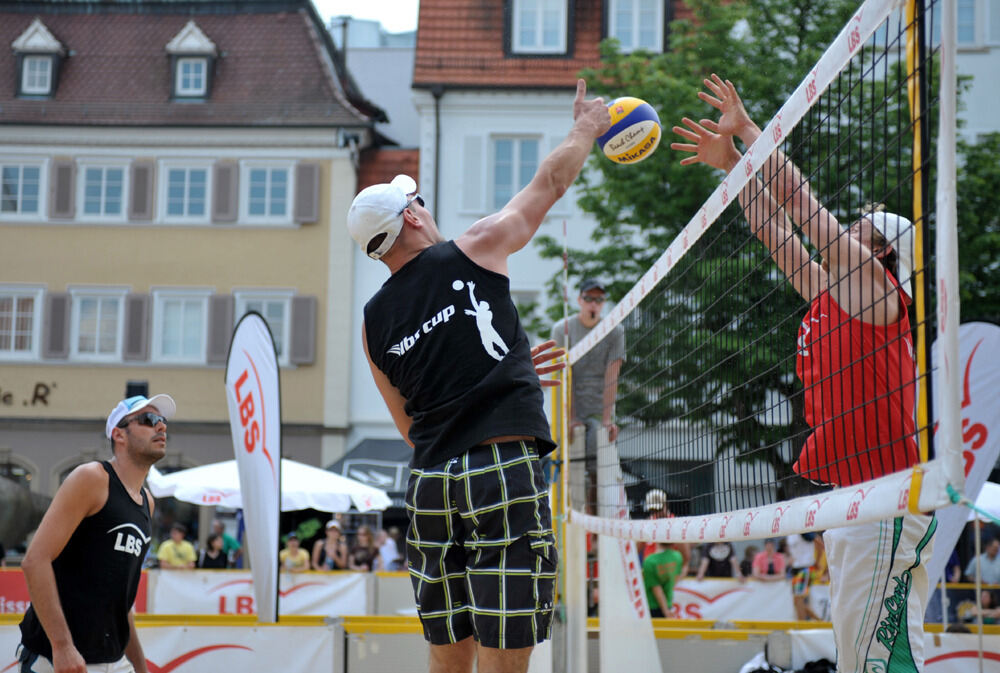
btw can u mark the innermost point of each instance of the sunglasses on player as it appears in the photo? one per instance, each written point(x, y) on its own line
point(147, 418)
point(591, 299)
point(416, 197)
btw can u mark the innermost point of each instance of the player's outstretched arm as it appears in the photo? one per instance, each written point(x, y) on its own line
point(492, 239)
point(856, 279)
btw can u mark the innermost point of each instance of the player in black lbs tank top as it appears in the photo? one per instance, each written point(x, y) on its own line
point(85, 560)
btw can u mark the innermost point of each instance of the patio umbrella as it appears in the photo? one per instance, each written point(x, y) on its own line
point(302, 487)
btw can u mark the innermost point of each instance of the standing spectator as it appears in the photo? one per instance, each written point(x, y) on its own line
point(230, 546)
point(364, 554)
point(719, 560)
point(594, 379)
point(388, 552)
point(84, 562)
point(656, 506)
point(802, 555)
point(213, 556)
point(293, 558)
point(660, 572)
point(330, 553)
point(990, 562)
point(176, 553)
point(769, 565)
point(746, 565)
point(953, 568)
point(3, 556)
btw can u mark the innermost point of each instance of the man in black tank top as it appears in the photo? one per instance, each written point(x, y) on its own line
point(450, 358)
point(85, 560)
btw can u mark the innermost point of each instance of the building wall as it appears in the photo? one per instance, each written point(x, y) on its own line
point(52, 411)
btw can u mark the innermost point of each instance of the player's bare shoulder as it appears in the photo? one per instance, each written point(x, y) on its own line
point(87, 486)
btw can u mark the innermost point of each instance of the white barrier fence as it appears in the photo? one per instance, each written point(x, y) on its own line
point(211, 592)
point(209, 649)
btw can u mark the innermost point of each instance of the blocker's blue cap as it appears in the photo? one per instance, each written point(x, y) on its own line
point(164, 404)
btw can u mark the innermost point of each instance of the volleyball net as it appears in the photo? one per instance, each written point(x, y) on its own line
point(744, 409)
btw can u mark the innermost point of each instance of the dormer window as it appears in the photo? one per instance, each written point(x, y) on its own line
point(192, 55)
point(36, 75)
point(192, 76)
point(38, 53)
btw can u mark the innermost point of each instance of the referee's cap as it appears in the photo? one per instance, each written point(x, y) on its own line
point(164, 404)
point(898, 231)
point(378, 209)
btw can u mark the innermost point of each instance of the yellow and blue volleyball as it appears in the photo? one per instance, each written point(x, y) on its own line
point(634, 132)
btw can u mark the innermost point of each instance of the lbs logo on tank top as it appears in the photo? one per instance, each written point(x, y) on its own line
point(481, 312)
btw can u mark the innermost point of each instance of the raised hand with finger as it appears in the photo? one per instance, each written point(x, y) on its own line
point(706, 145)
point(734, 120)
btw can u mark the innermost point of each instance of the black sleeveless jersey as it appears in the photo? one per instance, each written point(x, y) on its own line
point(97, 577)
point(446, 333)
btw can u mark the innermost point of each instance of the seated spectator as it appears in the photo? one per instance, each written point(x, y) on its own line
point(230, 547)
point(719, 560)
point(213, 556)
point(388, 552)
point(293, 558)
point(769, 565)
point(364, 553)
point(746, 565)
point(176, 553)
point(330, 553)
point(660, 572)
point(990, 561)
point(969, 611)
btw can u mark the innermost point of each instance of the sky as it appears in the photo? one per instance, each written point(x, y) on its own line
point(396, 16)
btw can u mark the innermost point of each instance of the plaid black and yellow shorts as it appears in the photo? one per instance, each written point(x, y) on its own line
point(480, 549)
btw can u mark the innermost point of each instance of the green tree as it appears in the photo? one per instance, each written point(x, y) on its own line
point(979, 228)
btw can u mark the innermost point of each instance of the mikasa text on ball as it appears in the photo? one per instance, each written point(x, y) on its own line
point(634, 132)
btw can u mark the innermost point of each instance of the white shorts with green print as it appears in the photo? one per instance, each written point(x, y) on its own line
point(878, 593)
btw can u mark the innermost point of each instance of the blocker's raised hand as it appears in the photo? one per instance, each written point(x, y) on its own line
point(734, 120)
point(707, 146)
point(542, 353)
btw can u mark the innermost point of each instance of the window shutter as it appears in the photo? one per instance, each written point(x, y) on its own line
point(472, 174)
point(303, 347)
point(225, 199)
point(62, 193)
point(307, 192)
point(55, 341)
point(220, 327)
point(136, 328)
point(141, 205)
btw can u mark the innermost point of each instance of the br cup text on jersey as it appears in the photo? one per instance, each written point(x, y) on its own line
point(409, 341)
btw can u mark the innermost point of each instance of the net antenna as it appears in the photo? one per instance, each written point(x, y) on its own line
point(710, 401)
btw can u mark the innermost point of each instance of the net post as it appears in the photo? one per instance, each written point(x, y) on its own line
point(946, 253)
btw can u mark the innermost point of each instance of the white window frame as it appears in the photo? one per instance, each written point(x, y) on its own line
point(43, 186)
point(613, 24)
point(36, 90)
point(36, 293)
point(244, 297)
point(81, 188)
point(78, 295)
point(245, 168)
point(492, 153)
point(191, 92)
point(166, 165)
point(990, 21)
point(538, 47)
point(160, 297)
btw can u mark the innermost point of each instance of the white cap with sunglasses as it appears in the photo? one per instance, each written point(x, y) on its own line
point(163, 403)
point(379, 210)
point(898, 232)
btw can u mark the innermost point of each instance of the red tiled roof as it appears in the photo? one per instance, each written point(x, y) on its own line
point(270, 69)
point(460, 43)
point(383, 164)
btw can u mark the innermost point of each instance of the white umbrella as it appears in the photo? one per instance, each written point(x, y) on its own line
point(988, 500)
point(302, 487)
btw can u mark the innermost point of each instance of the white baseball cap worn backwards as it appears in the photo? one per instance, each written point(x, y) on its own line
point(898, 232)
point(163, 403)
point(379, 210)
